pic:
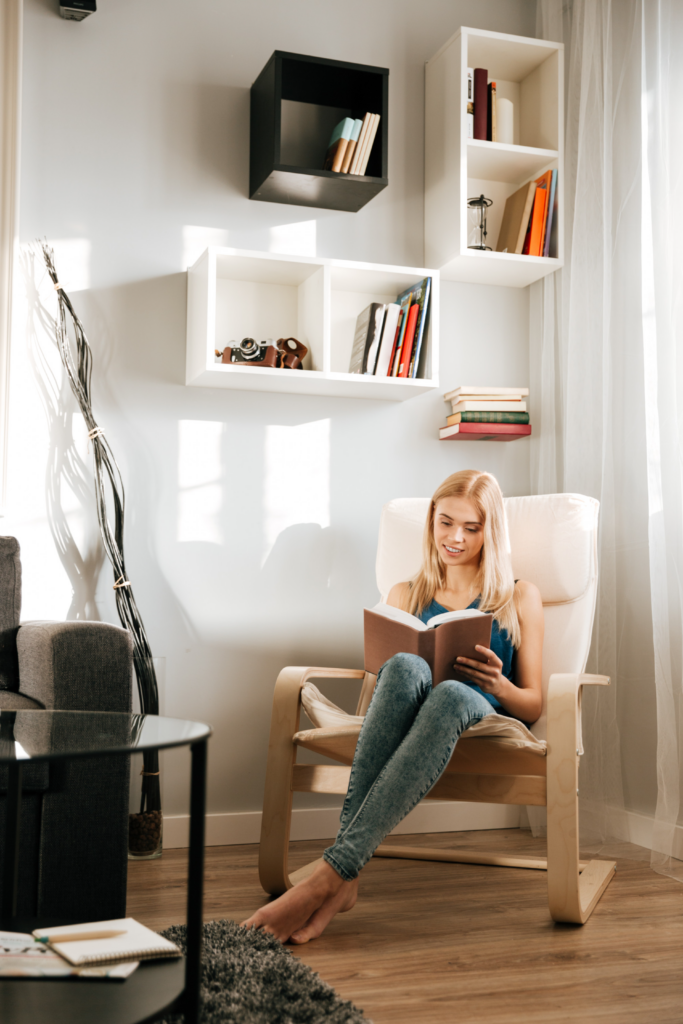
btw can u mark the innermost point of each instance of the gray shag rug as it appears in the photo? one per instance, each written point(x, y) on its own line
point(248, 977)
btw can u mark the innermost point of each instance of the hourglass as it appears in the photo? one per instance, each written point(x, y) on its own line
point(479, 205)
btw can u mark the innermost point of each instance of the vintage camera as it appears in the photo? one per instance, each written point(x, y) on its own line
point(292, 353)
point(254, 353)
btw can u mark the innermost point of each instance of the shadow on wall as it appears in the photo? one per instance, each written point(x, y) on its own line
point(68, 478)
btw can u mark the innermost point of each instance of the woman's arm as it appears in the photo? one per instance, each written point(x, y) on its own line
point(523, 699)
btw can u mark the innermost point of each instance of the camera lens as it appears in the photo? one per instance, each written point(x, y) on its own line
point(249, 348)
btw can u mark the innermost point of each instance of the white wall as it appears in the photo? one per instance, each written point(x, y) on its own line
point(246, 552)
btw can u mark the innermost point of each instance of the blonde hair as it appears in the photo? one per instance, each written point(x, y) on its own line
point(495, 580)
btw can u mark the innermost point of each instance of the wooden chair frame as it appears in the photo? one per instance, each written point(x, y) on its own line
point(482, 769)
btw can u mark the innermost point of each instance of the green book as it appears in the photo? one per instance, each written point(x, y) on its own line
point(488, 417)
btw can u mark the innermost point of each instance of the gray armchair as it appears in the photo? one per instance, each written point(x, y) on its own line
point(74, 830)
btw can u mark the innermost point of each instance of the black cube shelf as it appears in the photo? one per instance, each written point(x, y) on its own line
point(336, 89)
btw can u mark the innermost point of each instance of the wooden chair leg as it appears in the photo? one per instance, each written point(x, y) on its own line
point(277, 801)
point(572, 893)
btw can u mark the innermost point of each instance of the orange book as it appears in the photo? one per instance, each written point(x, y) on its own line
point(548, 179)
point(539, 215)
point(407, 349)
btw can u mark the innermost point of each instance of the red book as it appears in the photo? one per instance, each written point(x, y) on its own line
point(396, 337)
point(484, 431)
point(481, 103)
point(407, 349)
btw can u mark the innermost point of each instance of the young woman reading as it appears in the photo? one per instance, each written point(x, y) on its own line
point(411, 728)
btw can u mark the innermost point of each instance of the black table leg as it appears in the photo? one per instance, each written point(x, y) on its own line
point(195, 883)
point(10, 880)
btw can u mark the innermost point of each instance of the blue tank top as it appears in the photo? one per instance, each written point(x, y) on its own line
point(501, 644)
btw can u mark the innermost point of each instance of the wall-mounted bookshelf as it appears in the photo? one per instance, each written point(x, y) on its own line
point(295, 103)
point(234, 293)
point(529, 72)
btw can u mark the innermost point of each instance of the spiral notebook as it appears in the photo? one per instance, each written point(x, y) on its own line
point(137, 942)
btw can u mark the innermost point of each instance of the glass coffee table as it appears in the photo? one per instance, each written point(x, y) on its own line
point(156, 987)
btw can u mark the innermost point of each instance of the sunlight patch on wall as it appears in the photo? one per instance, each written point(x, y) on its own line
point(297, 478)
point(196, 239)
point(294, 239)
point(72, 259)
point(200, 474)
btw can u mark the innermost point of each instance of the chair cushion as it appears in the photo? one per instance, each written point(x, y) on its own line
point(326, 715)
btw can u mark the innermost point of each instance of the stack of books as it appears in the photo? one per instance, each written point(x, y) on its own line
point(529, 224)
point(389, 336)
point(486, 414)
point(351, 145)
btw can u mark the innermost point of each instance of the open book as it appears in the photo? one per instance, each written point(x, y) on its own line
point(440, 641)
point(136, 942)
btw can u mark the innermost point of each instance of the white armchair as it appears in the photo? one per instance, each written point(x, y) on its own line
point(553, 542)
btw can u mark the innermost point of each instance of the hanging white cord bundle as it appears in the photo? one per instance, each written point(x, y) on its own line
point(79, 373)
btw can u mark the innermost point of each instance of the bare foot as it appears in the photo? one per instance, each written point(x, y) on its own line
point(339, 903)
point(307, 909)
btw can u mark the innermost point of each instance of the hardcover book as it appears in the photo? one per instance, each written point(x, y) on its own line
point(351, 148)
point(471, 390)
point(467, 406)
point(516, 219)
point(393, 311)
point(487, 417)
point(421, 326)
point(484, 431)
point(481, 79)
point(445, 637)
point(366, 340)
point(338, 143)
point(365, 127)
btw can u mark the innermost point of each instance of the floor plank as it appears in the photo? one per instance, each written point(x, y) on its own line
point(429, 943)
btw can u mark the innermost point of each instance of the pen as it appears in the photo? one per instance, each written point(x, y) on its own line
point(78, 936)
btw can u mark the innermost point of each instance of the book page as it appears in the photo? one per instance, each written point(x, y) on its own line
point(398, 615)
point(463, 613)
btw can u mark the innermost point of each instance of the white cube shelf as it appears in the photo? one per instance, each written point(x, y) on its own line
point(529, 72)
point(236, 293)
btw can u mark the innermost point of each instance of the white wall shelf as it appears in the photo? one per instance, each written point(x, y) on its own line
point(234, 293)
point(529, 72)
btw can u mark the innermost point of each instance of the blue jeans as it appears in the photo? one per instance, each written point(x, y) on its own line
point(405, 742)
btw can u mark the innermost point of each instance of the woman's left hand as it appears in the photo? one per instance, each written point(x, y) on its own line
point(486, 674)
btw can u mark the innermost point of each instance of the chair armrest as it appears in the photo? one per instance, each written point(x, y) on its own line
point(564, 736)
point(76, 666)
point(287, 696)
point(564, 709)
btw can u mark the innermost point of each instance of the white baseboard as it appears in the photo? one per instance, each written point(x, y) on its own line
point(641, 830)
point(322, 823)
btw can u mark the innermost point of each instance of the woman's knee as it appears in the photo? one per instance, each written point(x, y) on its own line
point(461, 696)
point(408, 671)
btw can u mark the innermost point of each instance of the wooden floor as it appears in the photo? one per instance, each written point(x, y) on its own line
point(430, 943)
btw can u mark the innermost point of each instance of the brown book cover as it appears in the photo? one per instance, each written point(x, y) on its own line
point(348, 156)
point(516, 218)
point(481, 80)
point(335, 155)
point(440, 646)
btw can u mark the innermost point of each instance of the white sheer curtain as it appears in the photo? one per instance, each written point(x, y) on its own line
point(608, 386)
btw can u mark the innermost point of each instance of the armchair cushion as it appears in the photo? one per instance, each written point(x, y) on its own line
point(10, 610)
point(76, 666)
point(326, 715)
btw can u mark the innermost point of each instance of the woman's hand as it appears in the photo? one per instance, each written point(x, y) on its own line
point(486, 674)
